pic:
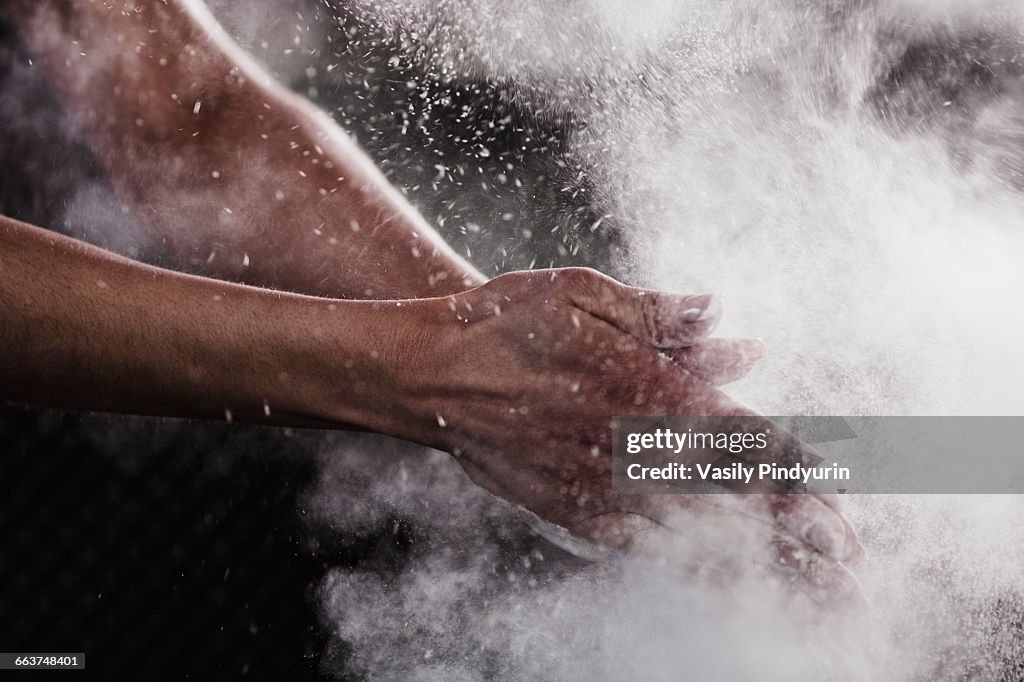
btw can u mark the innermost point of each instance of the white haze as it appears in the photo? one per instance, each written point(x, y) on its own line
point(743, 148)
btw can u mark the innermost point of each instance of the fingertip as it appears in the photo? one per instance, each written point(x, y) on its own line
point(702, 308)
point(846, 544)
point(750, 351)
point(854, 550)
point(758, 348)
point(686, 320)
point(826, 540)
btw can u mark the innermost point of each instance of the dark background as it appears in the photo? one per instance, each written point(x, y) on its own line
point(167, 549)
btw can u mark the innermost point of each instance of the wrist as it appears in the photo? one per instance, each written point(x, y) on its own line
point(358, 363)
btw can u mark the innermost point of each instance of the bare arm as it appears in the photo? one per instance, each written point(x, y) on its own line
point(244, 180)
point(83, 328)
point(238, 176)
point(565, 349)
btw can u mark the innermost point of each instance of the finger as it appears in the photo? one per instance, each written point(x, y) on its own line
point(649, 383)
point(701, 549)
point(712, 543)
point(825, 580)
point(659, 318)
point(653, 385)
point(805, 517)
point(719, 361)
point(696, 399)
point(837, 503)
point(822, 578)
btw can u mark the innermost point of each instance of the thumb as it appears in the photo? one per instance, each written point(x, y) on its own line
point(719, 361)
point(659, 318)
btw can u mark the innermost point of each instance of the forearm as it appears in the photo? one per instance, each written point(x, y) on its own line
point(100, 332)
point(518, 377)
point(237, 176)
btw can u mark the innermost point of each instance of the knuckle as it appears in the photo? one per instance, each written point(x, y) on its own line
point(587, 280)
point(649, 305)
point(511, 279)
point(576, 278)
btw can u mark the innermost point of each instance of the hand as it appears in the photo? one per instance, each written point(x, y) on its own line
point(519, 376)
point(523, 375)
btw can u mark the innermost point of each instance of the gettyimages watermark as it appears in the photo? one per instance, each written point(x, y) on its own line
point(844, 455)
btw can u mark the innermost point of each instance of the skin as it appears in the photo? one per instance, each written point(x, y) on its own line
point(389, 330)
point(237, 177)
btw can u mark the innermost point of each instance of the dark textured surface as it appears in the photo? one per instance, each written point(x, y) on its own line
point(154, 551)
point(162, 549)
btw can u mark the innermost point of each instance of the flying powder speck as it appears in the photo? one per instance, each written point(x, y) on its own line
point(849, 175)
